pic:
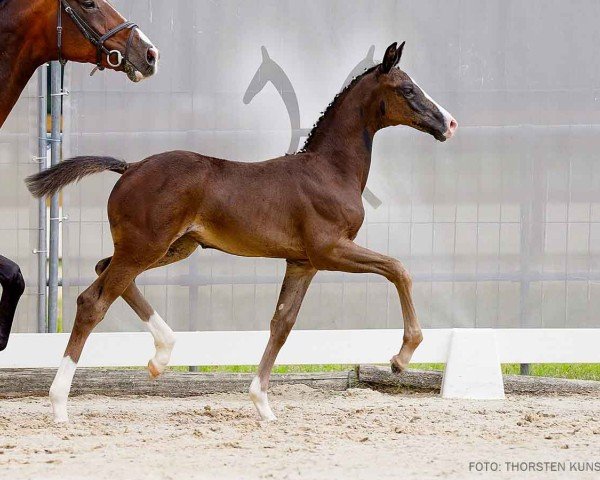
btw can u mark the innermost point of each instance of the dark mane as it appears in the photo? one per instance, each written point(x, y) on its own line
point(331, 106)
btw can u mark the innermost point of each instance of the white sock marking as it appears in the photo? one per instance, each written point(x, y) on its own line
point(261, 402)
point(164, 340)
point(61, 386)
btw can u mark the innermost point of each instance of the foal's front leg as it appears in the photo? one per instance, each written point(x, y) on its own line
point(346, 256)
point(297, 279)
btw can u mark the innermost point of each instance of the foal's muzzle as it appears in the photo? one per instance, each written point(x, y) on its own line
point(444, 129)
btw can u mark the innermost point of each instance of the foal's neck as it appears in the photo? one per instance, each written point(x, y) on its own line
point(344, 136)
point(24, 46)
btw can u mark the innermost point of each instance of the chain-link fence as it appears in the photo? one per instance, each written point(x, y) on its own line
point(500, 227)
point(18, 210)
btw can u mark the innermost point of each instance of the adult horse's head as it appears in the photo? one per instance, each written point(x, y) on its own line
point(34, 32)
point(93, 31)
point(403, 102)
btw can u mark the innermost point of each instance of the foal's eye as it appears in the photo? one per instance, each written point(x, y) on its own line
point(89, 4)
point(408, 91)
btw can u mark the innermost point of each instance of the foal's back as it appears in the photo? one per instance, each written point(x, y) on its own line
point(250, 209)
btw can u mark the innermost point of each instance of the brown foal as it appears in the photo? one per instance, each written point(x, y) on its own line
point(305, 208)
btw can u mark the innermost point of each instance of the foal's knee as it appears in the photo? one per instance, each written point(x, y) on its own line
point(400, 274)
point(101, 265)
point(281, 324)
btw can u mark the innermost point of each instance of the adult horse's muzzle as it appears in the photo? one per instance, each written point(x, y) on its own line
point(142, 57)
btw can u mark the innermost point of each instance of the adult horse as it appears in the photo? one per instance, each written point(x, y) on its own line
point(34, 32)
point(88, 31)
point(305, 208)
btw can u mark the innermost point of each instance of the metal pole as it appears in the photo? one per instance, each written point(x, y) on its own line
point(526, 170)
point(42, 250)
point(193, 290)
point(55, 99)
point(525, 369)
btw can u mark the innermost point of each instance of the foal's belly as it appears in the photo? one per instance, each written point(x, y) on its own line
point(246, 243)
point(249, 211)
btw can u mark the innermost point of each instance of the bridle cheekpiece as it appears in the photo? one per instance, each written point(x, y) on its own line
point(94, 38)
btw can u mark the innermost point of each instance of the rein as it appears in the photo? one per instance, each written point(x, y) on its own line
point(94, 38)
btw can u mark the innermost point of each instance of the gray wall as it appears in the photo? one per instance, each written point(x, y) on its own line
point(18, 210)
point(499, 227)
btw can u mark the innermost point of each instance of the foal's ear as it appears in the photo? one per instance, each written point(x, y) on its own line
point(391, 57)
point(399, 53)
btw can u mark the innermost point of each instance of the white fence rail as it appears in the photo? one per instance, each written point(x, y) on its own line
point(303, 347)
point(473, 356)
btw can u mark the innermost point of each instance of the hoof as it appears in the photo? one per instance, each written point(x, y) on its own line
point(269, 418)
point(396, 367)
point(261, 401)
point(153, 369)
point(59, 410)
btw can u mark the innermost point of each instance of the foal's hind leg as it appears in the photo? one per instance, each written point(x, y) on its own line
point(92, 305)
point(164, 338)
point(346, 256)
point(297, 279)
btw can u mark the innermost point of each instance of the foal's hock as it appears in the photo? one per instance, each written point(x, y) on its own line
point(305, 208)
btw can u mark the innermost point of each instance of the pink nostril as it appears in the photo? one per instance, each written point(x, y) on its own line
point(453, 125)
point(152, 56)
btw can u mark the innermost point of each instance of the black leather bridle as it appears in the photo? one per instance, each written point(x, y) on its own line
point(94, 37)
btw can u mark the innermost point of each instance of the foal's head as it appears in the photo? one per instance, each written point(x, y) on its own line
point(140, 56)
point(403, 102)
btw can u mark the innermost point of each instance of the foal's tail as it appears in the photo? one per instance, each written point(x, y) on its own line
point(52, 180)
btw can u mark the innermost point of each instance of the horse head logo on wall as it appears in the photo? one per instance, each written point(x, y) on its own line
point(270, 71)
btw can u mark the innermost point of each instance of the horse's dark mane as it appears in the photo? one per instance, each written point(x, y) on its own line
point(334, 103)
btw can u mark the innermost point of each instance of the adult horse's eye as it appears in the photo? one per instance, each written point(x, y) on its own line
point(89, 4)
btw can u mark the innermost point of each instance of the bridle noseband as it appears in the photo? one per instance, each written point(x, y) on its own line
point(94, 38)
